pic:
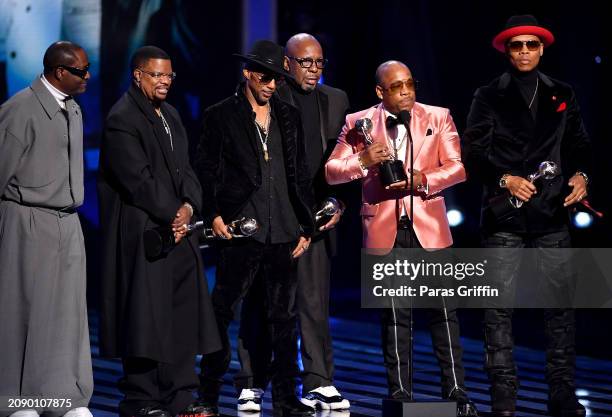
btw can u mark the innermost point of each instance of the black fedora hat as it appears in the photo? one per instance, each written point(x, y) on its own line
point(268, 55)
point(522, 25)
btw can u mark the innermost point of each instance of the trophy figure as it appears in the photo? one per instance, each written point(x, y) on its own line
point(244, 227)
point(547, 169)
point(328, 208)
point(391, 171)
point(160, 241)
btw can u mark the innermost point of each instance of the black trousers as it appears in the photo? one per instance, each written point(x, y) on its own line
point(444, 328)
point(148, 383)
point(239, 264)
point(560, 324)
point(313, 272)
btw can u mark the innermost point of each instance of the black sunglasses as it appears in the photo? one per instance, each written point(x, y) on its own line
point(79, 72)
point(517, 46)
point(267, 78)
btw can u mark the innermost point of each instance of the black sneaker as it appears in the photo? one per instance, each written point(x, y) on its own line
point(199, 409)
point(250, 399)
point(326, 398)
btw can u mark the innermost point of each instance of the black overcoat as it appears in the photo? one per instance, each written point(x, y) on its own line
point(141, 184)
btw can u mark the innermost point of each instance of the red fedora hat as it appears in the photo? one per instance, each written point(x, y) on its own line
point(522, 25)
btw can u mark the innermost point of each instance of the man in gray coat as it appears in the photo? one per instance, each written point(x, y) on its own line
point(44, 351)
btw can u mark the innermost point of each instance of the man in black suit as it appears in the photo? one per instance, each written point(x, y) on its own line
point(322, 109)
point(519, 120)
point(251, 163)
point(156, 313)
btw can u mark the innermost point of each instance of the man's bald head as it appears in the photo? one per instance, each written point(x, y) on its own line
point(299, 41)
point(60, 53)
point(395, 86)
point(386, 67)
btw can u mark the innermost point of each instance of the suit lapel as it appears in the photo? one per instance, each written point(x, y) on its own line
point(244, 118)
point(418, 130)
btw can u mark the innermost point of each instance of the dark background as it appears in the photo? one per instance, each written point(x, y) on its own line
point(446, 44)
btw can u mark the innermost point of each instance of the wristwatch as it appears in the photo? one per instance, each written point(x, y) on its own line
point(502, 181)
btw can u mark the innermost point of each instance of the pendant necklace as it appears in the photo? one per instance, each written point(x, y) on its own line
point(264, 138)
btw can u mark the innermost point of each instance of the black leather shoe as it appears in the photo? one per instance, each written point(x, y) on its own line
point(152, 412)
point(562, 402)
point(465, 407)
point(292, 407)
point(200, 409)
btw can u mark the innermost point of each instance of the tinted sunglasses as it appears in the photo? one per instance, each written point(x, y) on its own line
point(396, 87)
point(517, 46)
point(267, 78)
point(79, 72)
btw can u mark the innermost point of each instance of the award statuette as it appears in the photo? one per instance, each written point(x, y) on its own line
point(328, 208)
point(547, 169)
point(160, 241)
point(391, 171)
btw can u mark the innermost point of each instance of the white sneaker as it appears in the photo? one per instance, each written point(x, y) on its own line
point(326, 398)
point(250, 399)
point(25, 413)
point(79, 412)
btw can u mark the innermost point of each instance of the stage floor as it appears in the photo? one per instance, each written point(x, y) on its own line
point(360, 376)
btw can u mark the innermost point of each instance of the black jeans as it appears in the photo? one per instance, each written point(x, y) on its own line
point(560, 324)
point(238, 265)
point(312, 304)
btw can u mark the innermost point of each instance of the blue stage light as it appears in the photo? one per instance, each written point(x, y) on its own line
point(455, 217)
point(583, 220)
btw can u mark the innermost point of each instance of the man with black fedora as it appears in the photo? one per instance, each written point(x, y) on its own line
point(251, 163)
point(516, 122)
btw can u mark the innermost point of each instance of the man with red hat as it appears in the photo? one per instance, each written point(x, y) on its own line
point(519, 120)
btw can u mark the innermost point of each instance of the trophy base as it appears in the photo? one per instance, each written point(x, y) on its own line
point(392, 172)
point(424, 408)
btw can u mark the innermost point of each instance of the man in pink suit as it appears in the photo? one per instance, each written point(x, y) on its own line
point(385, 211)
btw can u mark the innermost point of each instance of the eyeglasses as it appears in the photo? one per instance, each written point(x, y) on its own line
point(267, 78)
point(79, 72)
point(517, 46)
point(396, 87)
point(158, 75)
point(307, 62)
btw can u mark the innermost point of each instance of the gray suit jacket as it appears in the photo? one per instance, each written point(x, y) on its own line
point(41, 155)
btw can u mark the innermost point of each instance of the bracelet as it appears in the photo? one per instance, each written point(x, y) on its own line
point(361, 165)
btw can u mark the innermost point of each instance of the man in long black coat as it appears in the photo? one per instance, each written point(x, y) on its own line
point(252, 163)
point(155, 313)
